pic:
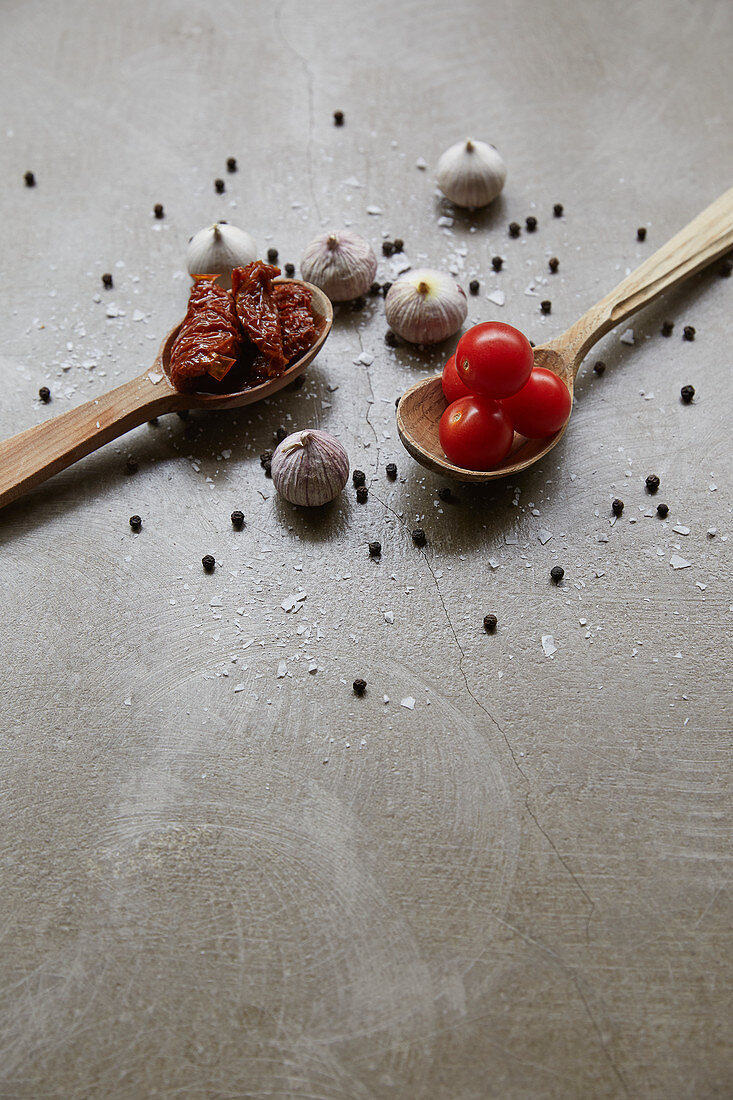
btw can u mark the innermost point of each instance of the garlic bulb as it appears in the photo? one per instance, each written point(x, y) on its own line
point(342, 264)
point(425, 306)
point(309, 468)
point(471, 173)
point(218, 249)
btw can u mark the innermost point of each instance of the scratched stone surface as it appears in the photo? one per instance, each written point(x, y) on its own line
point(503, 871)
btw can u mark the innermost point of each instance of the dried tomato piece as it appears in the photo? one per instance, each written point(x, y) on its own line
point(209, 339)
point(257, 311)
point(296, 318)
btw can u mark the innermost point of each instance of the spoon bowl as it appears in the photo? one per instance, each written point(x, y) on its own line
point(323, 317)
point(703, 240)
point(36, 454)
point(418, 417)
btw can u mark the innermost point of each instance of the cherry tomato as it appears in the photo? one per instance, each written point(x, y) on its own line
point(453, 388)
point(541, 407)
point(494, 359)
point(476, 432)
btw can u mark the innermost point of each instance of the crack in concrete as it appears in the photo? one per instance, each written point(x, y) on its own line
point(589, 901)
point(303, 59)
point(368, 419)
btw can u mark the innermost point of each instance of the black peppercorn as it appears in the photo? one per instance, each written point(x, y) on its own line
point(153, 422)
point(390, 339)
point(725, 269)
point(268, 469)
point(131, 466)
point(208, 561)
point(490, 623)
point(45, 394)
point(599, 367)
point(688, 333)
point(641, 233)
point(391, 470)
point(231, 164)
point(281, 434)
point(445, 494)
point(496, 262)
point(30, 179)
point(237, 519)
point(419, 537)
point(531, 223)
point(362, 494)
point(265, 457)
point(617, 507)
point(387, 248)
point(359, 478)
point(272, 255)
point(290, 270)
point(136, 523)
point(652, 483)
point(666, 328)
point(558, 209)
point(375, 549)
point(399, 244)
point(374, 289)
point(359, 686)
point(687, 393)
point(158, 210)
point(473, 286)
point(532, 344)
point(546, 306)
point(338, 118)
point(107, 280)
point(219, 186)
point(358, 303)
point(557, 573)
point(663, 510)
point(385, 289)
point(514, 229)
point(553, 264)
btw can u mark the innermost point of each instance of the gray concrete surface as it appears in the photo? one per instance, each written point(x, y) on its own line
point(219, 883)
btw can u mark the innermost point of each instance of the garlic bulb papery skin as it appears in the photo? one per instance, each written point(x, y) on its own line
point(425, 306)
point(342, 265)
point(309, 468)
point(218, 249)
point(471, 173)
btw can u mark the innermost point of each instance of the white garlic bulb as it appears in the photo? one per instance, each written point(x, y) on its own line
point(218, 249)
point(425, 307)
point(471, 173)
point(342, 264)
point(309, 468)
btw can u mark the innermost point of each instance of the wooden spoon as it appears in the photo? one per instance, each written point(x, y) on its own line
point(420, 408)
point(38, 453)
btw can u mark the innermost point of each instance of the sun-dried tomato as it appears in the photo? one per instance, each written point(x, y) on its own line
point(209, 339)
point(257, 311)
point(298, 329)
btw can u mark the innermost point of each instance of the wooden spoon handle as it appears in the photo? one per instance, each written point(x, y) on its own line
point(703, 240)
point(38, 453)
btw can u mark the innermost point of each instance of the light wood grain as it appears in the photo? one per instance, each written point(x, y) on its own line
point(705, 239)
point(40, 452)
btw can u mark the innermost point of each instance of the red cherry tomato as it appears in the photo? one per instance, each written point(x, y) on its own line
point(541, 407)
point(476, 432)
point(453, 388)
point(494, 359)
